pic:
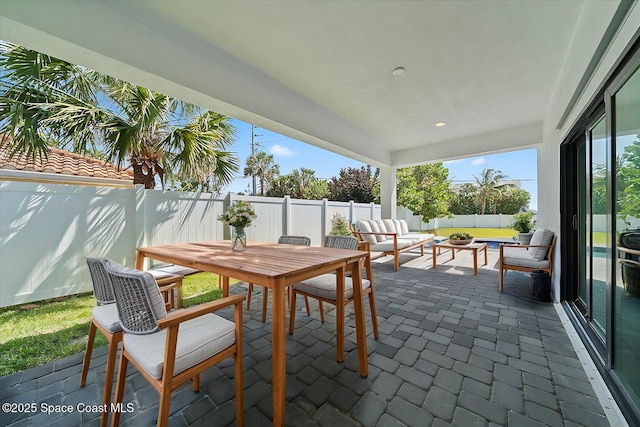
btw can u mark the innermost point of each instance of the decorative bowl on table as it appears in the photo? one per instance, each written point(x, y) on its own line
point(460, 238)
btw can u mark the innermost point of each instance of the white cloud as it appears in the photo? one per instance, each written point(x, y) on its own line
point(478, 162)
point(453, 162)
point(279, 150)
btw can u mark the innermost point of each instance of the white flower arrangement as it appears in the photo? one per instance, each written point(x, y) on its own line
point(239, 214)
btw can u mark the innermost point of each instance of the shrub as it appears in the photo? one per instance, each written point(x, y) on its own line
point(523, 222)
point(339, 225)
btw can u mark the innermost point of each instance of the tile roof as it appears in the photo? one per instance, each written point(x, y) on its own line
point(65, 163)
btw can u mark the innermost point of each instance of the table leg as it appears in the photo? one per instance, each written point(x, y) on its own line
point(278, 352)
point(225, 285)
point(139, 260)
point(475, 261)
point(340, 314)
point(433, 251)
point(453, 253)
point(486, 259)
point(361, 333)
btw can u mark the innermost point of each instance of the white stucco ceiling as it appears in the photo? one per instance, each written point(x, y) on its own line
point(321, 71)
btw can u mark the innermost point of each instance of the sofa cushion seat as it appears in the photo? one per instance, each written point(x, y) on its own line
point(416, 238)
point(521, 257)
point(387, 245)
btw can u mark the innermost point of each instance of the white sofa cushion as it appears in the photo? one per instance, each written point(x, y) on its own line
point(381, 226)
point(365, 227)
point(376, 229)
point(324, 286)
point(418, 237)
point(522, 257)
point(390, 225)
point(404, 227)
point(198, 340)
point(387, 245)
point(541, 237)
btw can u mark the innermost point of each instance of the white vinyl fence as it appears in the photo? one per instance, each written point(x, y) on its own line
point(47, 229)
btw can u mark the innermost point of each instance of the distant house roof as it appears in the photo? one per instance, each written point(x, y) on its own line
point(64, 162)
point(63, 167)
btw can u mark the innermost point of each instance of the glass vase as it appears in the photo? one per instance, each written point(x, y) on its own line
point(238, 239)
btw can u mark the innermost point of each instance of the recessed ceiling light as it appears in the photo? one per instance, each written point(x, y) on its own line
point(440, 124)
point(398, 71)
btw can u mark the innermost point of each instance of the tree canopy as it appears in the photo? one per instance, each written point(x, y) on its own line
point(490, 188)
point(262, 166)
point(47, 101)
point(357, 184)
point(424, 190)
point(299, 184)
point(628, 181)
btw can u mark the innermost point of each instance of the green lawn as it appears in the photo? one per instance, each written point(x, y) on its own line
point(58, 328)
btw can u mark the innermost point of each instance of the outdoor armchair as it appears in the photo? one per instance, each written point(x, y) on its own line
point(283, 240)
point(325, 288)
point(538, 255)
point(169, 349)
point(105, 319)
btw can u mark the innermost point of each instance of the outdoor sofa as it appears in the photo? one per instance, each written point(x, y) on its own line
point(391, 237)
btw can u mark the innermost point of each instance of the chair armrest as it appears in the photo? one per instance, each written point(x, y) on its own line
point(363, 245)
point(165, 288)
point(180, 316)
point(525, 246)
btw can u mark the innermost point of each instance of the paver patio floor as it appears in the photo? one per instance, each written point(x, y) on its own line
point(453, 350)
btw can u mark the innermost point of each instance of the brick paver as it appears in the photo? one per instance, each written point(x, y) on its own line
point(453, 350)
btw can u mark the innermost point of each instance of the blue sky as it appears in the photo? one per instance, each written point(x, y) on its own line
point(291, 154)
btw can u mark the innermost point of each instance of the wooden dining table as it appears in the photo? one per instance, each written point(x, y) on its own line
point(276, 267)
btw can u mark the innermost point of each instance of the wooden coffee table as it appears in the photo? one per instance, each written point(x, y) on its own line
point(475, 247)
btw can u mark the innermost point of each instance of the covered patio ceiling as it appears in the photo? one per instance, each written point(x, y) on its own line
point(323, 72)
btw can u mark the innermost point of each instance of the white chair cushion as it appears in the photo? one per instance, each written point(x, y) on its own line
point(541, 237)
point(521, 257)
point(404, 227)
point(178, 270)
point(107, 316)
point(376, 229)
point(365, 227)
point(198, 339)
point(324, 286)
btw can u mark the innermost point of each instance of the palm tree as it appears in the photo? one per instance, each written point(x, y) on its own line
point(489, 186)
point(262, 165)
point(47, 101)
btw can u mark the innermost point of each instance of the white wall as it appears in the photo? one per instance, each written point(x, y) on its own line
point(590, 29)
point(47, 230)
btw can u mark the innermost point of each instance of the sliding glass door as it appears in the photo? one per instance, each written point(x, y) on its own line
point(601, 231)
point(593, 234)
point(625, 105)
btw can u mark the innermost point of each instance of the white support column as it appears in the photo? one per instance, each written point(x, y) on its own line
point(388, 191)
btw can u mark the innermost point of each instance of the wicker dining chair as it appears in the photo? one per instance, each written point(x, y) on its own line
point(169, 349)
point(283, 240)
point(105, 319)
point(324, 289)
